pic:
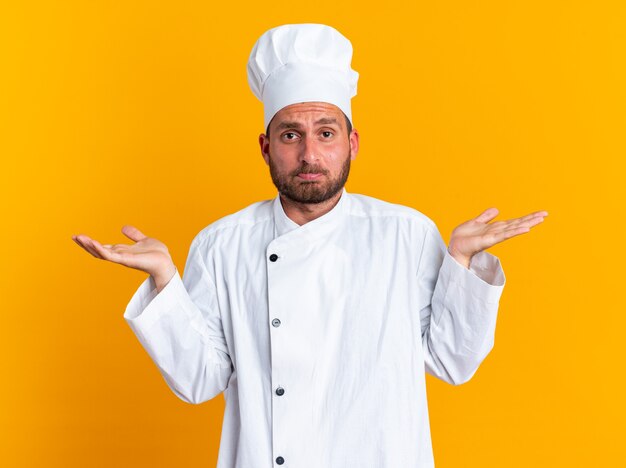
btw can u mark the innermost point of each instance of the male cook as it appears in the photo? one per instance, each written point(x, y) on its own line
point(317, 313)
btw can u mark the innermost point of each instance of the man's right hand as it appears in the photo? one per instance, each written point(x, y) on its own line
point(147, 254)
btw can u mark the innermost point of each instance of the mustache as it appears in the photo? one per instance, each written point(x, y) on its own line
point(310, 170)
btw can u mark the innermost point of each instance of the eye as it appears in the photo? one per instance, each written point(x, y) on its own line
point(289, 135)
point(327, 134)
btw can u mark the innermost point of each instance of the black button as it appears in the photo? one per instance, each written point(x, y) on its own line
point(280, 460)
point(273, 257)
point(280, 391)
point(276, 322)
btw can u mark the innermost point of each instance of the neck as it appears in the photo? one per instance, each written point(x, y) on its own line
point(302, 213)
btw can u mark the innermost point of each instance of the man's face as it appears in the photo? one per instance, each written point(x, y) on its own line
point(309, 151)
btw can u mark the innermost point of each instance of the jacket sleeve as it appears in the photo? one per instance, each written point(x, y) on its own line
point(458, 309)
point(181, 329)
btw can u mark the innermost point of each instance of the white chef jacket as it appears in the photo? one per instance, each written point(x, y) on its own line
point(319, 335)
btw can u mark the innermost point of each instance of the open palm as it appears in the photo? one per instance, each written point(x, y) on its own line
point(478, 234)
point(146, 254)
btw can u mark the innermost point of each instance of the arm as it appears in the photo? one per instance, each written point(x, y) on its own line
point(458, 309)
point(180, 328)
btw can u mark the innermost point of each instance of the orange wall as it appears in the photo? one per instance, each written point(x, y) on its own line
point(139, 112)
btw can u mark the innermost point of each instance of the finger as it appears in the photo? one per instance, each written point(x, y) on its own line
point(80, 241)
point(521, 229)
point(530, 216)
point(133, 233)
point(528, 223)
point(504, 235)
point(86, 244)
point(515, 233)
point(500, 232)
point(105, 254)
point(533, 219)
point(81, 245)
point(76, 239)
point(487, 215)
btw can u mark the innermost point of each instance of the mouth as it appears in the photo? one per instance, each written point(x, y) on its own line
point(310, 176)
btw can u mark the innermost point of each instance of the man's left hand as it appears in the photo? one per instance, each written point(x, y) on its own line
point(476, 235)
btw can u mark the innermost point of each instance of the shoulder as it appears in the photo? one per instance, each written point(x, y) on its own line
point(245, 219)
point(370, 207)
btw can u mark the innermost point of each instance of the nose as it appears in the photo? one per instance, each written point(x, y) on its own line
point(309, 151)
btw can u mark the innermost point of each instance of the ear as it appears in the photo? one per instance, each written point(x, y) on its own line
point(354, 143)
point(264, 143)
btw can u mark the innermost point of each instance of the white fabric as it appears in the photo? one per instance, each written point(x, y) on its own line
point(368, 299)
point(296, 63)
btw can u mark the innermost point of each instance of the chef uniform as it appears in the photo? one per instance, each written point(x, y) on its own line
point(319, 335)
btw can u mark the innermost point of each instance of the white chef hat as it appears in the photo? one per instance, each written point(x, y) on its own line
point(302, 63)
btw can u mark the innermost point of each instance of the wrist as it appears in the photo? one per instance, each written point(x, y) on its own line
point(462, 259)
point(162, 277)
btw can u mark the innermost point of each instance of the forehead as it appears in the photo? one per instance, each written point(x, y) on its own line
point(308, 113)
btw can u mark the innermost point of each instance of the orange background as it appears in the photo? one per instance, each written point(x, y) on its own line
point(139, 112)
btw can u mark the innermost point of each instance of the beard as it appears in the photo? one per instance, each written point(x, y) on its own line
point(309, 191)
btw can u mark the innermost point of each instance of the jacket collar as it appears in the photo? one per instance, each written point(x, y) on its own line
point(284, 226)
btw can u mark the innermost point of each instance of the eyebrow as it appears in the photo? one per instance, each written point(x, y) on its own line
point(322, 121)
point(326, 121)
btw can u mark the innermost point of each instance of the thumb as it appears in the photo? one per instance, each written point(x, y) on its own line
point(133, 233)
point(487, 215)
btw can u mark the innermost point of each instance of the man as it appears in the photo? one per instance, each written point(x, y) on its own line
point(317, 313)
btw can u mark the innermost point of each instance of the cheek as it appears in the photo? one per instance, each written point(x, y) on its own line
point(285, 155)
point(337, 154)
point(282, 161)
